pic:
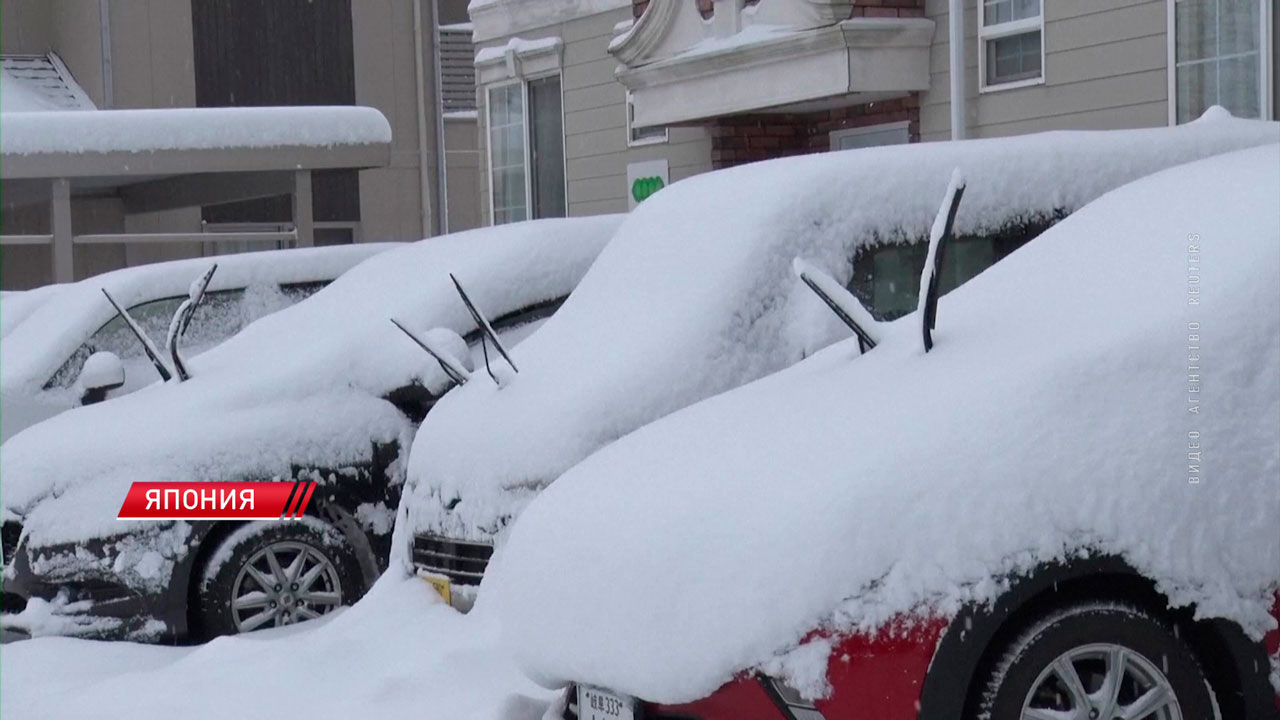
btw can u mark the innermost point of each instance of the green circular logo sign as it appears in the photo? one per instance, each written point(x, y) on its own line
point(643, 187)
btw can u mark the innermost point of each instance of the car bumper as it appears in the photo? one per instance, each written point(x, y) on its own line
point(90, 606)
point(454, 567)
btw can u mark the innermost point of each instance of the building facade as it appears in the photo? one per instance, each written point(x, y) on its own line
point(386, 54)
point(651, 91)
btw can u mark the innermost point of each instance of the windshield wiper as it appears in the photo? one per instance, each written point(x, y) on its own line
point(182, 319)
point(848, 308)
point(939, 237)
point(147, 346)
point(486, 331)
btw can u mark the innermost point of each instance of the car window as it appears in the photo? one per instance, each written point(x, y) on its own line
point(886, 277)
point(222, 314)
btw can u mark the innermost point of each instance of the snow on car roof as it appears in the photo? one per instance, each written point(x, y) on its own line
point(35, 348)
point(1052, 417)
point(696, 294)
point(301, 386)
point(16, 305)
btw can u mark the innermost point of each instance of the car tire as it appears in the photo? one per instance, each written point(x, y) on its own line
point(272, 574)
point(1090, 641)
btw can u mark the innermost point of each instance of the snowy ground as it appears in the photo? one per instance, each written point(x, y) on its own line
point(399, 653)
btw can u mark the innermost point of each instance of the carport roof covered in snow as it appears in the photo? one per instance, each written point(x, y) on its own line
point(165, 159)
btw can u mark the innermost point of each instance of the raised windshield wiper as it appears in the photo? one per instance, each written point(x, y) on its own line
point(842, 302)
point(939, 237)
point(182, 319)
point(486, 331)
point(147, 346)
point(451, 365)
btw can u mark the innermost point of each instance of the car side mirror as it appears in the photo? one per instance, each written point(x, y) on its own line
point(101, 373)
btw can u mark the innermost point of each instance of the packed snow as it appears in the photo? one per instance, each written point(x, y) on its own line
point(301, 387)
point(17, 96)
point(104, 131)
point(696, 295)
point(399, 653)
point(1112, 387)
point(16, 305)
point(516, 45)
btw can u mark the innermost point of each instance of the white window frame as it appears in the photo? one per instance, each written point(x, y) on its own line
point(1266, 60)
point(987, 33)
point(632, 140)
point(837, 135)
point(523, 82)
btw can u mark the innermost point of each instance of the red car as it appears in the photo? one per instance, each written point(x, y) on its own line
point(1063, 504)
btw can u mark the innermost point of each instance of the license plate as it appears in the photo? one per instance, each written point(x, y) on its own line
point(595, 704)
point(441, 585)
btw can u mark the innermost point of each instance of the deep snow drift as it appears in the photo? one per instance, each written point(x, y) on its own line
point(1055, 414)
point(398, 653)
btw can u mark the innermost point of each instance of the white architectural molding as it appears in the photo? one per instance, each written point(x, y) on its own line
point(518, 59)
point(679, 70)
point(497, 19)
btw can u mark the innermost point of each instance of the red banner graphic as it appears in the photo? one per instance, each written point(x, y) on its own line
point(217, 500)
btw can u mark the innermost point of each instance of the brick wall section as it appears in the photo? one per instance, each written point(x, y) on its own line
point(863, 8)
point(741, 139)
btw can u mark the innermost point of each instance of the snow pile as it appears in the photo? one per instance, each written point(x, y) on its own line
point(16, 305)
point(104, 131)
point(398, 653)
point(1058, 413)
point(696, 295)
point(303, 386)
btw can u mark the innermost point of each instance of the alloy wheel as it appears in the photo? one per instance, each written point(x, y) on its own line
point(1101, 682)
point(284, 583)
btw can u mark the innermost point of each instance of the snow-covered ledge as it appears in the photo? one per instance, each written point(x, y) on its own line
point(680, 67)
point(518, 59)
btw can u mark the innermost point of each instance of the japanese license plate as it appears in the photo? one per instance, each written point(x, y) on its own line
point(595, 704)
point(441, 585)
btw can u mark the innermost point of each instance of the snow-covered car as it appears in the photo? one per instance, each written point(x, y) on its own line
point(329, 390)
point(50, 332)
point(1068, 509)
point(697, 295)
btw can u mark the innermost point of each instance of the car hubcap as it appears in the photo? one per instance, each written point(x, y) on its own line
point(1101, 682)
point(284, 583)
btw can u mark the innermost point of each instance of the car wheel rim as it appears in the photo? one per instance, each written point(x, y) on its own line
point(1101, 682)
point(282, 584)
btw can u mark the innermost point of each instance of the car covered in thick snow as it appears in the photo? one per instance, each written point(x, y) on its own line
point(1068, 509)
point(329, 390)
point(697, 295)
point(50, 332)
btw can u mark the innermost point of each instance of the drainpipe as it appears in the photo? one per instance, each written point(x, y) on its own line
point(108, 84)
point(956, 18)
point(420, 76)
point(442, 164)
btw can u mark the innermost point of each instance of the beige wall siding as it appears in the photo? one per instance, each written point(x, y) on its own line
point(595, 121)
point(1106, 67)
point(463, 164)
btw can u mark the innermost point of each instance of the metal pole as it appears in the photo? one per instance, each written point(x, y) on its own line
point(60, 221)
point(302, 221)
point(956, 19)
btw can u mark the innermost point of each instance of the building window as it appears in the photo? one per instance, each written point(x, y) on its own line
point(642, 135)
point(1217, 57)
point(1011, 44)
point(526, 150)
point(897, 133)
